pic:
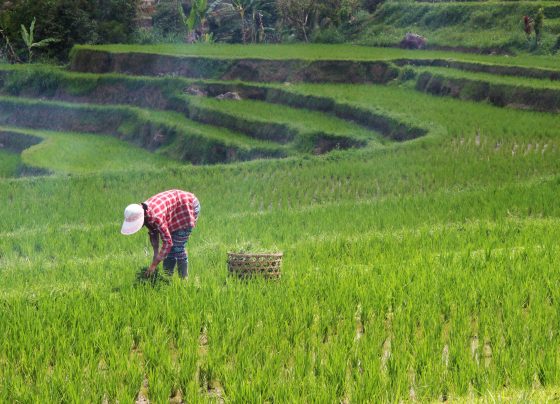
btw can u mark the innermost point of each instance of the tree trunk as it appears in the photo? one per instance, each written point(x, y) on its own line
point(303, 27)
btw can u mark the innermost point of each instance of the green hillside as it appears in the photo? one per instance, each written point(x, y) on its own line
point(475, 26)
point(417, 215)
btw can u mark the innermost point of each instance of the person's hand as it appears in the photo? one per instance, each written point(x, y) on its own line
point(150, 271)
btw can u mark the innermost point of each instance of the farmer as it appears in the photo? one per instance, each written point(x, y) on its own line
point(172, 215)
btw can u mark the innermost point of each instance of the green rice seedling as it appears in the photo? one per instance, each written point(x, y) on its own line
point(412, 271)
point(9, 163)
point(82, 153)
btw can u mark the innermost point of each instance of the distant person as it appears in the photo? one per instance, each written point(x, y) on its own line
point(172, 215)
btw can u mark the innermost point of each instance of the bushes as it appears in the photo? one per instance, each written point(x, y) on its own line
point(70, 22)
point(167, 20)
point(328, 35)
point(265, 21)
point(241, 21)
point(44, 82)
point(407, 73)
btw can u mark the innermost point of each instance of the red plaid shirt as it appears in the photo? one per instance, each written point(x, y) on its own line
point(170, 211)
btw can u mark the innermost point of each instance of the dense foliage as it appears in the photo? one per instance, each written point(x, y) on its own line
point(479, 26)
point(70, 22)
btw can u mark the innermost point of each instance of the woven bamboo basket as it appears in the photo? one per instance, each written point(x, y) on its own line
point(245, 265)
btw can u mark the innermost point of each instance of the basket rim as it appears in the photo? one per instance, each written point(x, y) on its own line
point(272, 255)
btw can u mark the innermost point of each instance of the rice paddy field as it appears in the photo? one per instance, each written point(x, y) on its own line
point(419, 231)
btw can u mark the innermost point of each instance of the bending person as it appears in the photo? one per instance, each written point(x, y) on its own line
point(171, 215)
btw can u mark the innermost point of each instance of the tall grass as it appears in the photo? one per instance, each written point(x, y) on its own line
point(442, 116)
point(86, 153)
point(413, 271)
point(9, 163)
point(424, 270)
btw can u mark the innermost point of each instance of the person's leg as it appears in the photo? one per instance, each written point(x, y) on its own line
point(180, 238)
point(183, 267)
point(169, 264)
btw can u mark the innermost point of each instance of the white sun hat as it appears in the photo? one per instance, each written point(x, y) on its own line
point(133, 219)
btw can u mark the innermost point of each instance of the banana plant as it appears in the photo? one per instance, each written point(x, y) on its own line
point(196, 19)
point(197, 15)
point(28, 38)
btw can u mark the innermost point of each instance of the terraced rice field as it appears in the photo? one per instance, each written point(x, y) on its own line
point(474, 26)
point(419, 232)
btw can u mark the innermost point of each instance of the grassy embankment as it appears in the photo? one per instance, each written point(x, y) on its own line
point(320, 52)
point(238, 125)
point(80, 153)
point(167, 131)
point(516, 81)
point(477, 25)
point(540, 95)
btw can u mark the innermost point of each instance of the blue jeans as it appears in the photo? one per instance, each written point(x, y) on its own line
point(178, 255)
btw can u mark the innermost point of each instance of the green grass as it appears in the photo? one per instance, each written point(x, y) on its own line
point(427, 266)
point(320, 52)
point(476, 25)
point(303, 121)
point(220, 134)
point(347, 263)
point(442, 116)
point(80, 153)
point(493, 78)
point(58, 84)
point(273, 52)
point(134, 123)
point(9, 163)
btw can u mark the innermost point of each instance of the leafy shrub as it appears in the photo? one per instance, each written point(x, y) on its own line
point(556, 45)
point(168, 20)
point(151, 36)
point(538, 25)
point(70, 22)
point(407, 73)
point(113, 32)
point(371, 5)
point(328, 35)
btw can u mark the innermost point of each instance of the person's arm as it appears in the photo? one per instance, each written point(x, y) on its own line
point(154, 241)
point(167, 243)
